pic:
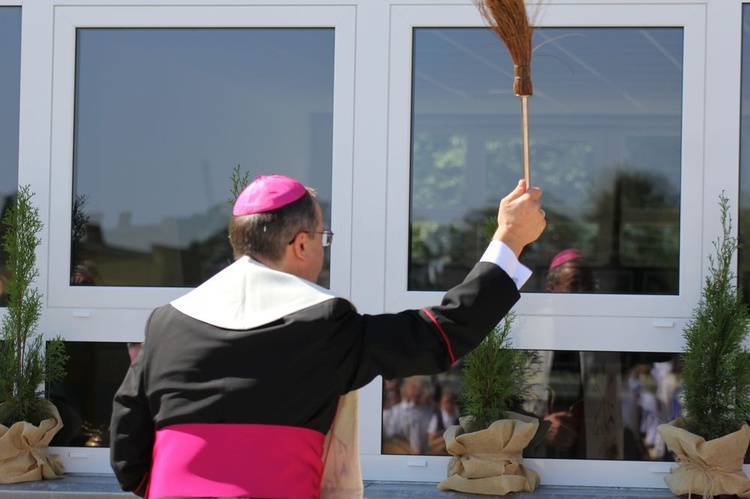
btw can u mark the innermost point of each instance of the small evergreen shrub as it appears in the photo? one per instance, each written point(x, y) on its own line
point(715, 363)
point(25, 363)
point(496, 376)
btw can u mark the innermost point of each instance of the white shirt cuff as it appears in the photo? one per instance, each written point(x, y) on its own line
point(502, 256)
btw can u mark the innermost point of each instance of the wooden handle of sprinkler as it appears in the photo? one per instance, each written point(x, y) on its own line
point(525, 138)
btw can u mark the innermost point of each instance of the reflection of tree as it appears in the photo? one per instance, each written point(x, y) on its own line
point(562, 167)
point(438, 170)
point(743, 253)
point(203, 259)
point(440, 179)
point(629, 231)
point(639, 214)
point(431, 246)
point(8, 203)
point(79, 226)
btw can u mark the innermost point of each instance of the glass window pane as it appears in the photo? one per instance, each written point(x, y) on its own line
point(162, 118)
point(744, 203)
point(95, 371)
point(605, 135)
point(10, 80)
point(591, 405)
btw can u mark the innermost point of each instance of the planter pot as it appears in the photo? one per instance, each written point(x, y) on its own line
point(490, 461)
point(710, 467)
point(24, 450)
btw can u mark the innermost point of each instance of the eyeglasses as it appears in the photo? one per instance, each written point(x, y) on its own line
point(326, 237)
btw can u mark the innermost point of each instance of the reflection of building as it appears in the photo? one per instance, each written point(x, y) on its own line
point(178, 252)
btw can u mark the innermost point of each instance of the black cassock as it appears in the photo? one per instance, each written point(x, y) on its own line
point(253, 346)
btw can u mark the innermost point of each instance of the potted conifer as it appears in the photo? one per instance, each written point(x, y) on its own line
point(711, 440)
point(28, 421)
point(488, 443)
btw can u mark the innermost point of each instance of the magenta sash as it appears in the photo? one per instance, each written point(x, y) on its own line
point(236, 460)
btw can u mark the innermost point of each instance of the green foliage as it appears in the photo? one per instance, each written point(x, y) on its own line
point(78, 230)
point(716, 365)
point(25, 364)
point(439, 170)
point(489, 226)
point(496, 377)
point(239, 182)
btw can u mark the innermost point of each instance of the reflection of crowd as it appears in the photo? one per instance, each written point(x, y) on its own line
point(416, 412)
point(654, 396)
point(613, 415)
point(445, 415)
point(405, 422)
point(594, 405)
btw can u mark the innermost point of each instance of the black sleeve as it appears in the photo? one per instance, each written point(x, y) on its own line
point(424, 341)
point(132, 431)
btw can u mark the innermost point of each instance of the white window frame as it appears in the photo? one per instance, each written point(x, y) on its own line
point(600, 322)
point(540, 311)
point(88, 303)
point(89, 313)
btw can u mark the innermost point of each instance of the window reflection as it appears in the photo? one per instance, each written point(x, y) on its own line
point(10, 79)
point(744, 202)
point(591, 405)
point(605, 147)
point(162, 118)
point(95, 371)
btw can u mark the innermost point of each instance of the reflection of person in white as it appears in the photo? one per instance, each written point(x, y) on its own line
point(239, 381)
point(410, 417)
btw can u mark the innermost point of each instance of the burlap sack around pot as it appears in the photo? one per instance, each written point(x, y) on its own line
point(24, 450)
point(490, 461)
point(707, 468)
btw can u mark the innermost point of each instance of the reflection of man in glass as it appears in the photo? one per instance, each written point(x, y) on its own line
point(584, 407)
point(562, 407)
point(569, 273)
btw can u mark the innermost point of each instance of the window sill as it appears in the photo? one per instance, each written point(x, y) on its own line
point(105, 487)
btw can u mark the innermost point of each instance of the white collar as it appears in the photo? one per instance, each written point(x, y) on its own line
point(247, 294)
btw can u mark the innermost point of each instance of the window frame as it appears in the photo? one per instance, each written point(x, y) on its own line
point(69, 18)
point(88, 313)
point(537, 309)
point(544, 319)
